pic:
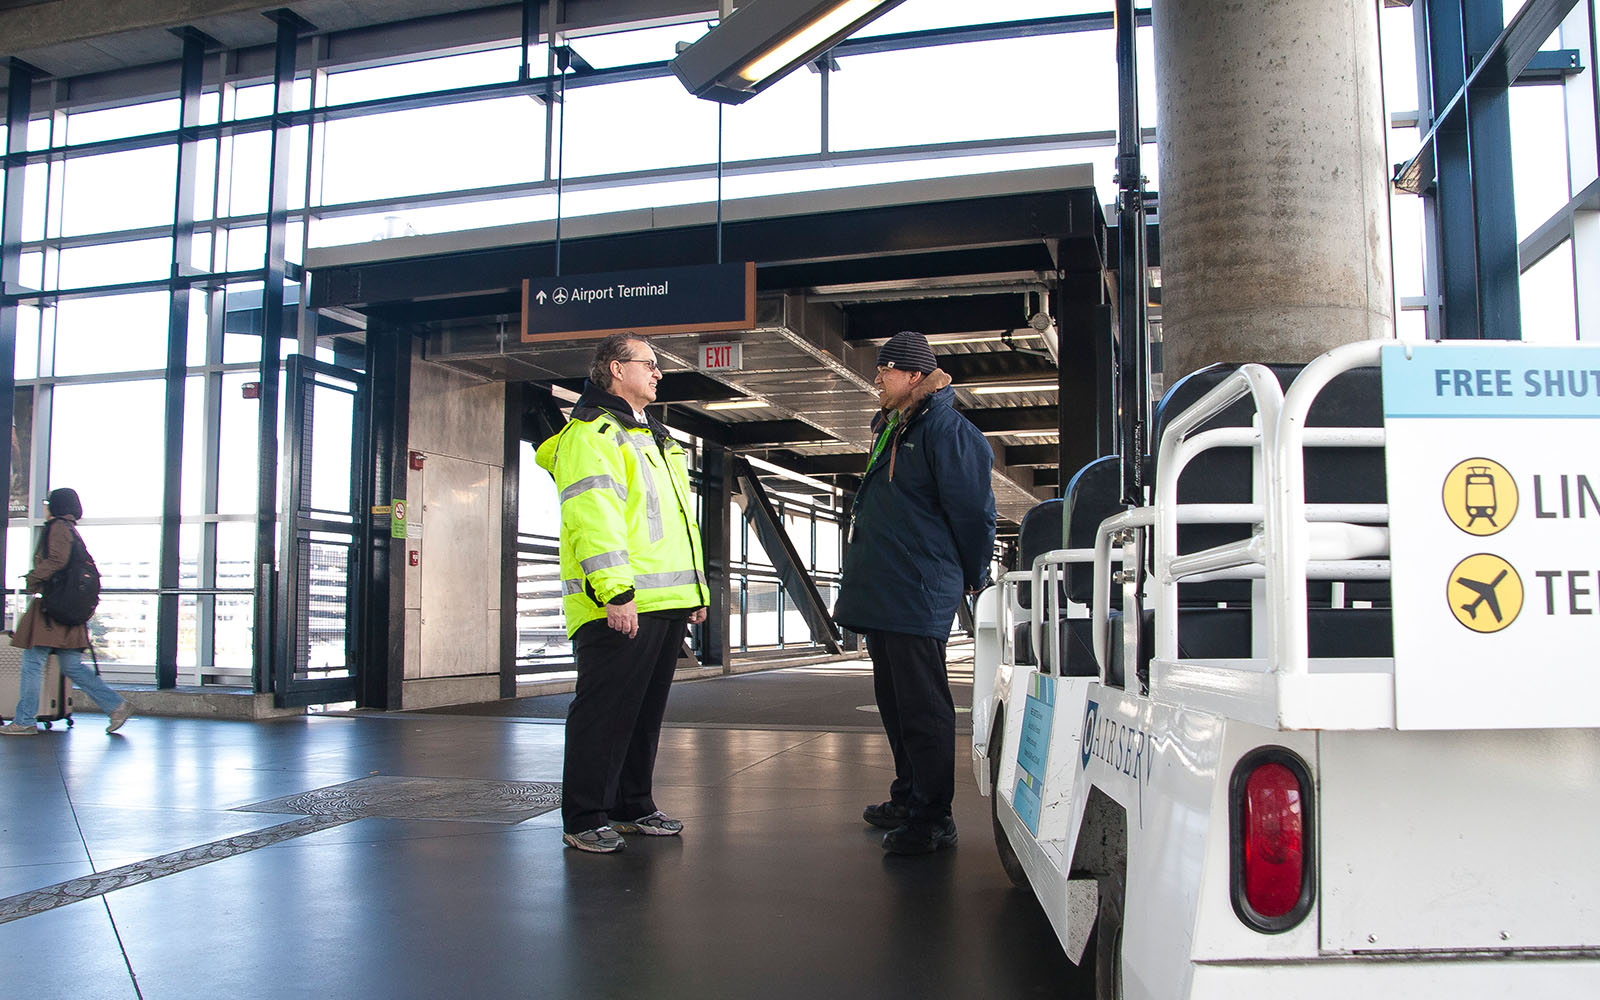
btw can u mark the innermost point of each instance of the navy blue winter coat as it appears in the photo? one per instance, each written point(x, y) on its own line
point(923, 525)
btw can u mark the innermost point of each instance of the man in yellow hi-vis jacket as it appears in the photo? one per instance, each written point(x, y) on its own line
point(632, 580)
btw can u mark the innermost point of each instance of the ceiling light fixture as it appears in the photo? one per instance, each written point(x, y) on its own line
point(764, 40)
point(1021, 434)
point(994, 390)
point(735, 404)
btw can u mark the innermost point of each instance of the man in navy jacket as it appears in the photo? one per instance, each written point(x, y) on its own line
point(921, 535)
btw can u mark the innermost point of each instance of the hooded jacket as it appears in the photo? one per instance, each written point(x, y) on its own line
point(922, 528)
point(628, 529)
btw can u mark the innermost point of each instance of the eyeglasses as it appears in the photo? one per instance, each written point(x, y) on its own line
point(650, 365)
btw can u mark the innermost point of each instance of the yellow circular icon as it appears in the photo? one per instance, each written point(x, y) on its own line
point(1485, 592)
point(1480, 496)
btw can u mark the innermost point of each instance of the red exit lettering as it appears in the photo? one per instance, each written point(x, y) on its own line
point(719, 357)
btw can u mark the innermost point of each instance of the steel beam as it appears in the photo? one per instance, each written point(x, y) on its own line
point(18, 107)
point(271, 634)
point(717, 483)
point(169, 569)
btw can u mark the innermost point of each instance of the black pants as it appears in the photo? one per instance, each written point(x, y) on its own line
point(614, 722)
point(908, 676)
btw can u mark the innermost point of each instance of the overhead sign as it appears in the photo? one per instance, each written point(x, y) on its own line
point(1494, 511)
point(660, 300)
point(724, 357)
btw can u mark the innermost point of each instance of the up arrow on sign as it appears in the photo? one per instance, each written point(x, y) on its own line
point(541, 297)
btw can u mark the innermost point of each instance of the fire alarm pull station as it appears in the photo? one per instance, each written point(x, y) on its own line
point(416, 557)
point(416, 461)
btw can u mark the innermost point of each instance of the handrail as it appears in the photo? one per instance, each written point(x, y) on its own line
point(1046, 602)
point(1139, 517)
point(1256, 381)
point(1286, 571)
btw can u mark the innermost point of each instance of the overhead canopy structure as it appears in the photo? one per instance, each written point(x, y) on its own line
point(979, 264)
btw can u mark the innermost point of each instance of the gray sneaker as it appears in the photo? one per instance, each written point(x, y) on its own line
point(119, 715)
point(18, 729)
point(601, 840)
point(654, 825)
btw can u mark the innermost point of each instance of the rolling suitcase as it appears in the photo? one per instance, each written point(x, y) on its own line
point(55, 693)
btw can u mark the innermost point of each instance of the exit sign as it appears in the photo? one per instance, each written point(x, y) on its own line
point(727, 357)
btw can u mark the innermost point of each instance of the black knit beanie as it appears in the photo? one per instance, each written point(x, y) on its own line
point(908, 351)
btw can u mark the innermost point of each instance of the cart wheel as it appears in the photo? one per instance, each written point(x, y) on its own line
point(71, 722)
point(49, 725)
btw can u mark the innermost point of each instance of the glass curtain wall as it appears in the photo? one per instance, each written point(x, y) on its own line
point(439, 142)
point(1555, 191)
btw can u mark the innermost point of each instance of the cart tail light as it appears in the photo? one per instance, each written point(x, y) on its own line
point(1272, 840)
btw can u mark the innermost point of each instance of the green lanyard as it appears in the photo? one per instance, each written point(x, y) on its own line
point(883, 438)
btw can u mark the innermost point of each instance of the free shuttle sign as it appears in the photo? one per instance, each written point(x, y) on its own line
point(1494, 514)
point(695, 299)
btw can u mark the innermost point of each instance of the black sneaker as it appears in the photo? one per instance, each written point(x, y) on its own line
point(654, 825)
point(886, 815)
point(921, 836)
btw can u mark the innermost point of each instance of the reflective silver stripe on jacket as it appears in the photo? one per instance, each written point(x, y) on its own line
point(652, 500)
point(570, 587)
point(677, 578)
point(605, 560)
point(588, 483)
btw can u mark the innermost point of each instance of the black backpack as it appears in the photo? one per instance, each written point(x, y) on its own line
point(71, 596)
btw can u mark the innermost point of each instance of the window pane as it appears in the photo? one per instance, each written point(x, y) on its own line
point(194, 416)
point(252, 169)
point(952, 93)
point(434, 149)
point(827, 546)
point(1549, 305)
point(538, 512)
point(786, 121)
point(761, 613)
point(27, 361)
point(1538, 155)
point(116, 263)
point(431, 74)
point(236, 463)
point(664, 126)
point(112, 333)
point(131, 190)
point(628, 48)
point(333, 418)
point(116, 123)
point(926, 14)
point(101, 445)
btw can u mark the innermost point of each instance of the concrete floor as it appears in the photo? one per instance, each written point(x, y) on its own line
point(776, 888)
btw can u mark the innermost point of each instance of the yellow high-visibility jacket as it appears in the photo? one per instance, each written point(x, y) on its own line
point(627, 518)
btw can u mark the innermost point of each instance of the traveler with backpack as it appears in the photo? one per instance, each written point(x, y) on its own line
point(65, 576)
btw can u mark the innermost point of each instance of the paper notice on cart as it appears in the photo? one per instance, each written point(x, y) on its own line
point(1494, 510)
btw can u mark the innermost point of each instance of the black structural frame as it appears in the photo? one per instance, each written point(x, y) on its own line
point(18, 104)
point(270, 625)
point(1468, 62)
point(195, 44)
point(1132, 354)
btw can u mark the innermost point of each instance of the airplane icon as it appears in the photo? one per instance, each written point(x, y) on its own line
point(1485, 592)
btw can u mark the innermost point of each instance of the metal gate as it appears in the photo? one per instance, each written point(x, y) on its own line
point(318, 627)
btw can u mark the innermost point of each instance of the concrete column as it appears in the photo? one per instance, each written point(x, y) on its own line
point(1274, 180)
